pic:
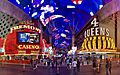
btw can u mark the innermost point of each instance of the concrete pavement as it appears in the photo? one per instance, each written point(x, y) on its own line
point(14, 69)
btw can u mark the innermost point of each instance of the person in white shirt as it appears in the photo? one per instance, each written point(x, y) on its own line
point(74, 65)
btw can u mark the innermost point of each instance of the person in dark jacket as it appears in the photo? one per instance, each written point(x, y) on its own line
point(78, 65)
point(110, 65)
point(107, 66)
point(94, 63)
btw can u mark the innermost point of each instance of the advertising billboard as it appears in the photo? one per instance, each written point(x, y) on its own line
point(28, 38)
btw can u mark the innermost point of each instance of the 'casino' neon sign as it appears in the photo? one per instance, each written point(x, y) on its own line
point(33, 47)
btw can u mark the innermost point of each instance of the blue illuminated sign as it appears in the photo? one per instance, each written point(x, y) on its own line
point(27, 37)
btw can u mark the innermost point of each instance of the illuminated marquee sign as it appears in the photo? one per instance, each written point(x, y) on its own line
point(96, 30)
point(97, 38)
point(32, 47)
point(26, 27)
point(98, 42)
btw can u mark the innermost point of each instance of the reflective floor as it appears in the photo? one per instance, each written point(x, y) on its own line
point(12, 69)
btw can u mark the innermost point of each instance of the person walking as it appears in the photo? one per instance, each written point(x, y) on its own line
point(110, 65)
point(78, 65)
point(31, 62)
point(74, 65)
point(67, 62)
point(98, 65)
point(94, 63)
point(107, 66)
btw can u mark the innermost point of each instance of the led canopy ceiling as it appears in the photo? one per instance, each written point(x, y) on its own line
point(61, 17)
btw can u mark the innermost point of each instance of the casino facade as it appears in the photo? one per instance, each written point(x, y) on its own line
point(24, 39)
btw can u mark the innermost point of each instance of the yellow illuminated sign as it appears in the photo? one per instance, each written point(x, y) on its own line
point(108, 41)
point(94, 42)
point(99, 42)
point(86, 43)
point(83, 45)
point(112, 44)
point(89, 43)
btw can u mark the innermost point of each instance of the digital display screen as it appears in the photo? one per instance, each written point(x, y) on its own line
point(30, 38)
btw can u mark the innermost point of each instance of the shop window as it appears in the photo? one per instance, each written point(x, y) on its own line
point(8, 30)
point(6, 26)
point(8, 22)
point(3, 15)
point(7, 19)
point(11, 24)
point(1, 33)
point(3, 28)
point(4, 31)
point(13, 19)
point(3, 21)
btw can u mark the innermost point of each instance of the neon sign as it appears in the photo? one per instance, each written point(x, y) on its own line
point(33, 47)
point(96, 30)
point(26, 27)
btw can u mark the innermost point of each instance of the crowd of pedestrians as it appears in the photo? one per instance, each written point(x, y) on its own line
point(73, 63)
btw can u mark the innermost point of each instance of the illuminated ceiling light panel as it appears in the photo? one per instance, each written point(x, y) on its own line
point(34, 6)
point(38, 5)
point(56, 8)
point(74, 48)
point(91, 13)
point(66, 20)
point(77, 1)
point(24, 7)
point(46, 21)
point(50, 47)
point(42, 2)
point(28, 5)
point(70, 6)
point(100, 6)
point(67, 31)
point(63, 35)
point(47, 8)
point(31, 1)
point(34, 14)
point(18, 1)
point(64, 42)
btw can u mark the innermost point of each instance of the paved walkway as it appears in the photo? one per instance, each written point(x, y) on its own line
point(11, 69)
